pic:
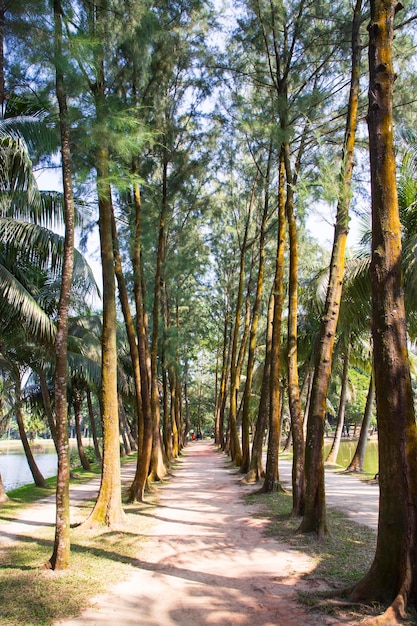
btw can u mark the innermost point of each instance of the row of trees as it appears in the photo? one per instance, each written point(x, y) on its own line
point(200, 151)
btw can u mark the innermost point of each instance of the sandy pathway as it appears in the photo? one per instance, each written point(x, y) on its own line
point(208, 562)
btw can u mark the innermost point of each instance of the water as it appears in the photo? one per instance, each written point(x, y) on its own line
point(347, 450)
point(15, 471)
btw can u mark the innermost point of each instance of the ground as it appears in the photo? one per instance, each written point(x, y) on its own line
point(207, 562)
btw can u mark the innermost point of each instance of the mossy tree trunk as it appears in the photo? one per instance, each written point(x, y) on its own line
point(234, 441)
point(256, 467)
point(296, 433)
point(158, 458)
point(138, 486)
point(392, 576)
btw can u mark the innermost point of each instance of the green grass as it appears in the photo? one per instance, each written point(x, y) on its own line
point(34, 596)
point(341, 558)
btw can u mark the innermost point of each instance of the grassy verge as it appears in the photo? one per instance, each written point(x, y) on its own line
point(33, 596)
point(341, 558)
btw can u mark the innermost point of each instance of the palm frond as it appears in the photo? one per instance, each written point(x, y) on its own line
point(44, 249)
point(17, 306)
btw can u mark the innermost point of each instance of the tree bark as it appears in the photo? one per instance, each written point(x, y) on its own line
point(235, 447)
point(47, 405)
point(158, 459)
point(129, 324)
point(222, 395)
point(137, 488)
point(296, 432)
point(256, 468)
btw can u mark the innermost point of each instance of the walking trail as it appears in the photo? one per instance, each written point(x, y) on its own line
point(208, 562)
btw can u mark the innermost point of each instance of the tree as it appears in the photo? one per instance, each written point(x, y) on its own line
point(271, 470)
point(334, 450)
point(314, 515)
point(60, 555)
point(392, 575)
point(356, 463)
point(108, 507)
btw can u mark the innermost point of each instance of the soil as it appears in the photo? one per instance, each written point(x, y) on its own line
point(208, 561)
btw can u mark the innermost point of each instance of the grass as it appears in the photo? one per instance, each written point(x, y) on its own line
point(34, 596)
point(341, 558)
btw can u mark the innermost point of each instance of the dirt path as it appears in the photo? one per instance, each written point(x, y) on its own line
point(208, 562)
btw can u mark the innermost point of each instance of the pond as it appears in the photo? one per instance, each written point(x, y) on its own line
point(15, 470)
point(347, 450)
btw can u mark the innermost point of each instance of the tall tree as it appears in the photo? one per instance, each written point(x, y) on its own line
point(314, 516)
point(392, 576)
point(244, 468)
point(271, 470)
point(108, 507)
point(61, 551)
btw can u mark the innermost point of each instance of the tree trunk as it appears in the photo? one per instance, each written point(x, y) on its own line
point(137, 488)
point(129, 324)
point(235, 447)
point(47, 405)
point(222, 395)
point(392, 576)
point(158, 468)
point(38, 479)
point(296, 432)
point(61, 552)
point(334, 451)
point(271, 472)
point(3, 494)
point(124, 428)
point(186, 403)
point(77, 414)
point(93, 427)
point(314, 519)
point(108, 507)
point(256, 468)
point(356, 464)
point(244, 467)
point(167, 405)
